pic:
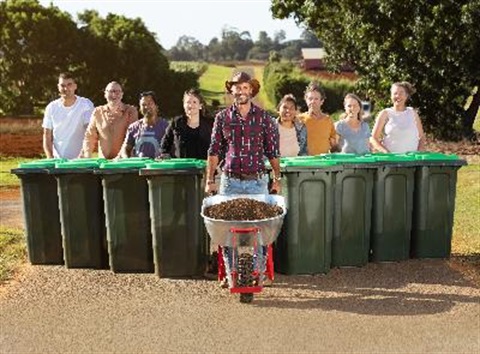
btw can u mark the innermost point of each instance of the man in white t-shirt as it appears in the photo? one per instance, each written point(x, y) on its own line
point(65, 121)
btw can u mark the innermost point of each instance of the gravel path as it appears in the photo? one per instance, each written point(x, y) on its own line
point(412, 306)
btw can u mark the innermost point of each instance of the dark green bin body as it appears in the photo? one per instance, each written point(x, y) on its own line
point(434, 206)
point(127, 217)
point(392, 212)
point(352, 216)
point(82, 218)
point(304, 245)
point(41, 216)
point(179, 237)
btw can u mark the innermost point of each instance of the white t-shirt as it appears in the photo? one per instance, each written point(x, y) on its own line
point(68, 125)
point(401, 132)
point(288, 141)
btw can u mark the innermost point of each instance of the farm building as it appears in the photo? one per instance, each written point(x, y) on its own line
point(313, 58)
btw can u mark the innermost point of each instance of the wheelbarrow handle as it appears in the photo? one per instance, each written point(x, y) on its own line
point(244, 230)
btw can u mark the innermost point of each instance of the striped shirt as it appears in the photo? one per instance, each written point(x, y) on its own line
point(244, 141)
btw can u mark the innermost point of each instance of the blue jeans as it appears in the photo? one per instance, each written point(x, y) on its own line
point(231, 185)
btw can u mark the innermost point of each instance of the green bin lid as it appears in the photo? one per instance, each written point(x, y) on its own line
point(437, 156)
point(390, 157)
point(44, 163)
point(176, 164)
point(338, 156)
point(81, 163)
point(308, 163)
point(126, 163)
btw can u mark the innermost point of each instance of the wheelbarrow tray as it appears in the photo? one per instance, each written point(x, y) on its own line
point(220, 230)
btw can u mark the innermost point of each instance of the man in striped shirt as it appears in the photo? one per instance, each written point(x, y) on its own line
point(243, 134)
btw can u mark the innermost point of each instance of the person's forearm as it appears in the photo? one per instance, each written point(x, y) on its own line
point(212, 163)
point(377, 145)
point(48, 144)
point(275, 163)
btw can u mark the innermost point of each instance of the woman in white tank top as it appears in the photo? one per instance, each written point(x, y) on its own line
point(399, 125)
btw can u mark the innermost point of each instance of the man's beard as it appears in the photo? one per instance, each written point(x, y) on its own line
point(241, 99)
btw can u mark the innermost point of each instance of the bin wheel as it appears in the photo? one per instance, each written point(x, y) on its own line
point(245, 276)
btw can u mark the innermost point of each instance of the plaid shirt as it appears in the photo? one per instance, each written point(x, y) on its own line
point(243, 142)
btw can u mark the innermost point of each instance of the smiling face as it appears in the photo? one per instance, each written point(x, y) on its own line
point(113, 93)
point(352, 107)
point(148, 107)
point(242, 92)
point(66, 88)
point(191, 105)
point(399, 96)
point(287, 111)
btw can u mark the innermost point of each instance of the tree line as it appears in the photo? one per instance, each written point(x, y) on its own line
point(238, 45)
point(37, 43)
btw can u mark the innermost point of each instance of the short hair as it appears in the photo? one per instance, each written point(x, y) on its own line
point(408, 87)
point(66, 76)
point(314, 86)
point(151, 94)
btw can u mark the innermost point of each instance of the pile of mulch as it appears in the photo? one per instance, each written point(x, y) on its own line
point(242, 209)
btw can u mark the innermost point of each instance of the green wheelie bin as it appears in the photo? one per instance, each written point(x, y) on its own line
point(352, 209)
point(434, 204)
point(81, 213)
point(127, 215)
point(179, 237)
point(40, 211)
point(304, 245)
point(392, 207)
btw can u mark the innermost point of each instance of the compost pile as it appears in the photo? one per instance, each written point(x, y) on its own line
point(243, 209)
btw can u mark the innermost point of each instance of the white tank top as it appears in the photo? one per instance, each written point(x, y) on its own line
point(288, 141)
point(400, 131)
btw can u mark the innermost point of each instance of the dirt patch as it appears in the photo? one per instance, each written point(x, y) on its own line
point(11, 214)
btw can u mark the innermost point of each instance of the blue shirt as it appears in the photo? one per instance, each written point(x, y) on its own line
point(353, 141)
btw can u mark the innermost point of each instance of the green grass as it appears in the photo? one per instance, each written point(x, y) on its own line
point(212, 83)
point(8, 180)
point(12, 250)
point(466, 229)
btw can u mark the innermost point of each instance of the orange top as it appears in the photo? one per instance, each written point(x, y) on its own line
point(319, 133)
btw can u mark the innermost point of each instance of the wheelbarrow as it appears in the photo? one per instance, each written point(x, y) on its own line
point(241, 258)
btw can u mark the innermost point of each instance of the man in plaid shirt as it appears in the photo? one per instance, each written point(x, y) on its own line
point(243, 134)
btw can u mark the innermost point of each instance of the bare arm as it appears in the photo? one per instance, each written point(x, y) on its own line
point(421, 133)
point(276, 185)
point(91, 138)
point(48, 142)
point(210, 185)
point(125, 151)
point(378, 131)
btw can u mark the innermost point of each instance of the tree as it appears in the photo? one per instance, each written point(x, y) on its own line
point(36, 43)
point(433, 44)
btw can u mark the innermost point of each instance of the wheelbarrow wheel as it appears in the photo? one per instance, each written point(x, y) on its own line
point(246, 298)
point(245, 276)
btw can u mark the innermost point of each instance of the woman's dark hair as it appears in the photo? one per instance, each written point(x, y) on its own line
point(196, 93)
point(151, 94)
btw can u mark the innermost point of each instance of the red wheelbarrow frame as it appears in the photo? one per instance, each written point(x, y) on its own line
point(269, 269)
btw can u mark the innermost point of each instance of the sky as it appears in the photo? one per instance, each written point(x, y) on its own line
point(201, 19)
